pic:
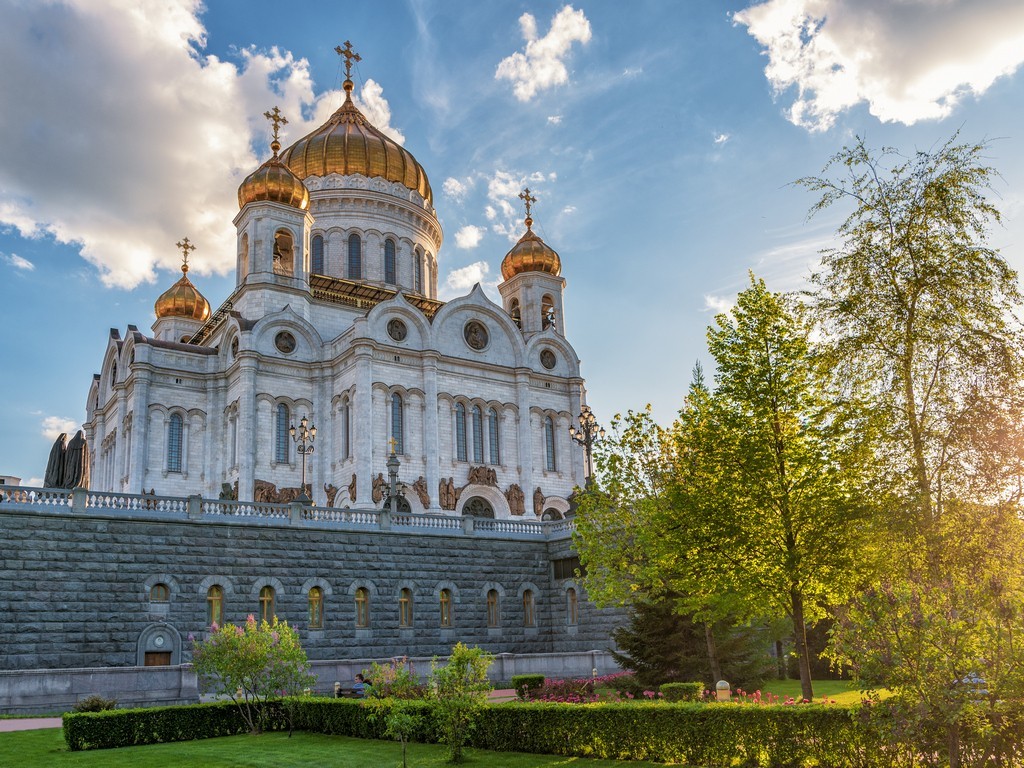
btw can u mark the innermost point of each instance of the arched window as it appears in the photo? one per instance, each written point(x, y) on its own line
point(417, 271)
point(346, 435)
point(159, 593)
point(362, 607)
point(243, 256)
point(175, 428)
point(528, 617)
point(446, 608)
point(572, 607)
point(547, 311)
point(281, 434)
point(284, 253)
point(460, 432)
point(390, 274)
point(405, 608)
point(355, 258)
point(267, 604)
point(215, 605)
point(316, 608)
point(494, 446)
point(396, 423)
point(515, 312)
point(493, 609)
point(317, 266)
point(549, 444)
point(478, 435)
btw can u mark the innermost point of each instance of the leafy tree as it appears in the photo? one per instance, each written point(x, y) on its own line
point(253, 664)
point(460, 689)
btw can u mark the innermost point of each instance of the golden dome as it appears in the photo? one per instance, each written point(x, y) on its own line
point(348, 144)
point(274, 181)
point(530, 254)
point(183, 299)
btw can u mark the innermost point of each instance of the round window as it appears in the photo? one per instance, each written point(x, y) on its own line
point(285, 342)
point(548, 359)
point(476, 334)
point(397, 329)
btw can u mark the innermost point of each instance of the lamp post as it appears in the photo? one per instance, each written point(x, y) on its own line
point(588, 433)
point(303, 437)
point(393, 465)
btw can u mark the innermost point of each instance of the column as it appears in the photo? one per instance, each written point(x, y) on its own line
point(247, 427)
point(525, 434)
point(431, 441)
point(362, 418)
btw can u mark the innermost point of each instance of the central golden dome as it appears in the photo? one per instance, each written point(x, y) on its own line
point(348, 144)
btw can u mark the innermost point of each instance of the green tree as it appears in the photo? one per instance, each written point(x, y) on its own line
point(253, 664)
point(460, 688)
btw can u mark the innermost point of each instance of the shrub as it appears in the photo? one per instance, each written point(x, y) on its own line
point(572, 691)
point(524, 684)
point(95, 703)
point(460, 691)
point(625, 683)
point(682, 691)
point(397, 680)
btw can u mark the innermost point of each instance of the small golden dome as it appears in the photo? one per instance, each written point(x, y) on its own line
point(348, 144)
point(183, 299)
point(274, 181)
point(530, 254)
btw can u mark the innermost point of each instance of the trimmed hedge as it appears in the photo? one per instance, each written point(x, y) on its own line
point(153, 725)
point(682, 691)
point(526, 683)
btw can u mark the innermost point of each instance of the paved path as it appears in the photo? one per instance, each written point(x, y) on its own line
point(29, 723)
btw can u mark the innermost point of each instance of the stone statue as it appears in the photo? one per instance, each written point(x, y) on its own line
point(482, 476)
point(228, 492)
point(420, 486)
point(290, 494)
point(538, 502)
point(352, 488)
point(76, 463)
point(264, 492)
point(331, 491)
point(516, 499)
point(449, 496)
point(54, 477)
point(378, 488)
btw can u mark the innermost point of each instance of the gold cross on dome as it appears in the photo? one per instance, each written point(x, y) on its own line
point(185, 246)
point(275, 117)
point(349, 55)
point(527, 198)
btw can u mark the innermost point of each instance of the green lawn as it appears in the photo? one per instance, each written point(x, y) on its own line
point(840, 691)
point(46, 749)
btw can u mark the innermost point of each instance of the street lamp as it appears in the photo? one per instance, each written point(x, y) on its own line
point(393, 464)
point(588, 433)
point(303, 437)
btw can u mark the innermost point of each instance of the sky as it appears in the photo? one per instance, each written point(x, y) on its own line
point(661, 139)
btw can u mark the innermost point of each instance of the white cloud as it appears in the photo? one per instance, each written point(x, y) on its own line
point(121, 136)
point(721, 138)
point(555, 119)
point(569, 209)
point(456, 189)
point(18, 262)
point(490, 213)
point(469, 236)
point(631, 72)
point(717, 304)
point(909, 61)
point(461, 280)
point(375, 107)
point(54, 425)
point(541, 66)
point(505, 210)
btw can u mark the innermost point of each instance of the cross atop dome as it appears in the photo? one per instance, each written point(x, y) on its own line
point(185, 246)
point(275, 117)
point(349, 55)
point(529, 199)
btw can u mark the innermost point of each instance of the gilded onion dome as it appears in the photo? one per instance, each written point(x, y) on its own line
point(530, 254)
point(273, 180)
point(348, 144)
point(183, 299)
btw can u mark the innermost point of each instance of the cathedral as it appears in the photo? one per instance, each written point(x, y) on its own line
point(335, 324)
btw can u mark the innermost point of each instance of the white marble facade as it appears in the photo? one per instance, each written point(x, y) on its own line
point(330, 348)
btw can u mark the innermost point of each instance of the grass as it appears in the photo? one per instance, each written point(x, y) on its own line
point(46, 749)
point(839, 691)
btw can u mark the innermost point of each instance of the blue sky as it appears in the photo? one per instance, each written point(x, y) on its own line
point(660, 138)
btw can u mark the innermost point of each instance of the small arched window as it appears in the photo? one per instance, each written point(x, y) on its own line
point(516, 313)
point(390, 273)
point(362, 607)
point(281, 434)
point(396, 423)
point(284, 253)
point(446, 608)
point(494, 443)
point(317, 245)
point(346, 435)
point(405, 608)
point(478, 435)
point(159, 593)
point(547, 311)
point(493, 609)
point(528, 612)
point(417, 270)
point(215, 606)
point(267, 604)
point(355, 258)
point(175, 430)
point(572, 607)
point(460, 432)
point(549, 444)
point(316, 608)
